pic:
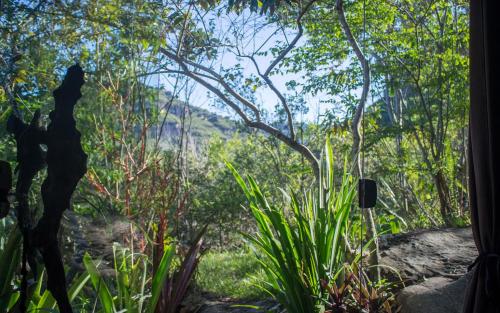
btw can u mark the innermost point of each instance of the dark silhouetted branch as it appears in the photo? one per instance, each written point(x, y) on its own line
point(66, 164)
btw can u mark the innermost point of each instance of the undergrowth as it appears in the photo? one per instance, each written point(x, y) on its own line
point(230, 274)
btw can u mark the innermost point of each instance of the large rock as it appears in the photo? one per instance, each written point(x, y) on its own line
point(435, 295)
point(81, 234)
point(430, 253)
point(433, 266)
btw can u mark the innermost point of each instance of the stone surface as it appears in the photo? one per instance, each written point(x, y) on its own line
point(435, 295)
point(433, 266)
point(424, 254)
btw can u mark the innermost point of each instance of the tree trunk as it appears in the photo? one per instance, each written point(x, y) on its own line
point(444, 198)
point(371, 233)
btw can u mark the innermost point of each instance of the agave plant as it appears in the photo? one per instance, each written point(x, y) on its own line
point(303, 242)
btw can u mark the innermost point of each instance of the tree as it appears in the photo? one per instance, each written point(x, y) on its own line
point(356, 128)
point(431, 84)
point(193, 52)
point(230, 93)
point(418, 56)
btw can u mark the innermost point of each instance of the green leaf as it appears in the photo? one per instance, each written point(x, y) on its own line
point(99, 285)
point(160, 278)
point(9, 260)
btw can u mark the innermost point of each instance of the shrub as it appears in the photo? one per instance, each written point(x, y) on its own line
point(303, 242)
point(135, 293)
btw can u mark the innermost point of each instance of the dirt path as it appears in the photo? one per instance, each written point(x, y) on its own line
point(205, 303)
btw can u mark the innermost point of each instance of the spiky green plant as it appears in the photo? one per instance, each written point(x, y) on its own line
point(303, 242)
point(131, 291)
point(10, 257)
point(130, 281)
point(39, 298)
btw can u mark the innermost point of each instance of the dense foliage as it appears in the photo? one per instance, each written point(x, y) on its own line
point(281, 77)
point(309, 246)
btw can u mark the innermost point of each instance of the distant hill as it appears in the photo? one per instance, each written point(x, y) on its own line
point(199, 123)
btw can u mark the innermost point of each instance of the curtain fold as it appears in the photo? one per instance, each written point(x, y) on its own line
point(483, 291)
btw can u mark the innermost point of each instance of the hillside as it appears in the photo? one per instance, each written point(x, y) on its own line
point(200, 124)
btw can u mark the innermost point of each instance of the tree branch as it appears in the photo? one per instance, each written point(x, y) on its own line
point(292, 44)
point(182, 61)
point(280, 96)
point(356, 121)
point(258, 124)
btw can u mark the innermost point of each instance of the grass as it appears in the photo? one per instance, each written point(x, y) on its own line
point(230, 274)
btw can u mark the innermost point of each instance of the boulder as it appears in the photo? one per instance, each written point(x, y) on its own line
point(421, 255)
point(435, 295)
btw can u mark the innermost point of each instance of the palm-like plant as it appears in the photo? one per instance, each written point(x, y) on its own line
point(303, 243)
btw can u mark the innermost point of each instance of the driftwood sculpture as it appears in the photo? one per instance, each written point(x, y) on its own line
point(5, 185)
point(66, 164)
point(30, 160)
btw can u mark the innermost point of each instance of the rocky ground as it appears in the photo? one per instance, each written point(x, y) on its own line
point(434, 295)
point(424, 254)
point(431, 264)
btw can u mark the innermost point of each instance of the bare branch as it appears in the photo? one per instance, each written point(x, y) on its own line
point(291, 142)
point(218, 84)
point(280, 96)
point(278, 60)
point(356, 122)
point(292, 44)
point(216, 77)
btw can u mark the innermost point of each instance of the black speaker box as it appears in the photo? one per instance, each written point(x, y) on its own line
point(367, 193)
